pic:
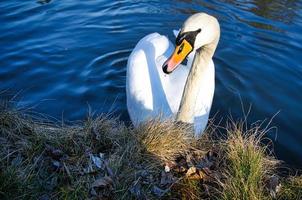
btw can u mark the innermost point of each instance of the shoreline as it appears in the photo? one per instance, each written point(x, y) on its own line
point(102, 158)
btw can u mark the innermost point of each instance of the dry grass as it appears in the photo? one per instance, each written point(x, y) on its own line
point(50, 161)
point(291, 188)
point(247, 164)
point(29, 156)
point(165, 139)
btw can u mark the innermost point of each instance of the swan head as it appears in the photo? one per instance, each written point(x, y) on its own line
point(198, 31)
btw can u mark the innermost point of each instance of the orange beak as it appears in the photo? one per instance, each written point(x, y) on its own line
point(180, 53)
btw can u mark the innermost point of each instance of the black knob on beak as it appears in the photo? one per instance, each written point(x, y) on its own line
point(165, 68)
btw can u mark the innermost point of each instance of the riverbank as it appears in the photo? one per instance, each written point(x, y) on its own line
point(101, 158)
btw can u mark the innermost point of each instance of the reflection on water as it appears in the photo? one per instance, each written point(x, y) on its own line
point(65, 56)
point(43, 1)
point(280, 10)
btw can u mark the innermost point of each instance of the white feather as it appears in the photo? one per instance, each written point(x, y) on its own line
point(151, 93)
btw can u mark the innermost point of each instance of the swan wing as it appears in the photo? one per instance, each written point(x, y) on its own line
point(151, 93)
point(144, 84)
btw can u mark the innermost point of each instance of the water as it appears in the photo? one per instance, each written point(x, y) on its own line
point(63, 57)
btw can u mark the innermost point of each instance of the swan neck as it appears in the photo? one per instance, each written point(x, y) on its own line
point(200, 63)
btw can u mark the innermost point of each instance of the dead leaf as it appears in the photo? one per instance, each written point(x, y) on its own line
point(194, 174)
point(191, 170)
point(102, 182)
point(97, 161)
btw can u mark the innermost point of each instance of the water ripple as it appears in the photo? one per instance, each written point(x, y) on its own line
point(66, 55)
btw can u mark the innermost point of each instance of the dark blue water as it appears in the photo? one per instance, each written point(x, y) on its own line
point(63, 57)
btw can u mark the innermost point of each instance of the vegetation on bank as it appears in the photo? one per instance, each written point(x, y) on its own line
point(101, 158)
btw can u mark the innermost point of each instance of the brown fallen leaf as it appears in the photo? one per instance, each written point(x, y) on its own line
point(194, 174)
point(191, 171)
point(195, 177)
point(102, 182)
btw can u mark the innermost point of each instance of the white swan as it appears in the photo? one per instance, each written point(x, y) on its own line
point(187, 93)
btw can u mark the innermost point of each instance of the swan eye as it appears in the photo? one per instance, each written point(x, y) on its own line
point(180, 48)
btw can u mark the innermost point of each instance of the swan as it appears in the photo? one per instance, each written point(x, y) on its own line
point(158, 84)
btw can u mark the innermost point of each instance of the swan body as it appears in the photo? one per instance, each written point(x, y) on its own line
point(152, 93)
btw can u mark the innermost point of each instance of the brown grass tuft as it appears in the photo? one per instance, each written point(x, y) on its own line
point(247, 164)
point(101, 158)
point(291, 188)
point(165, 140)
